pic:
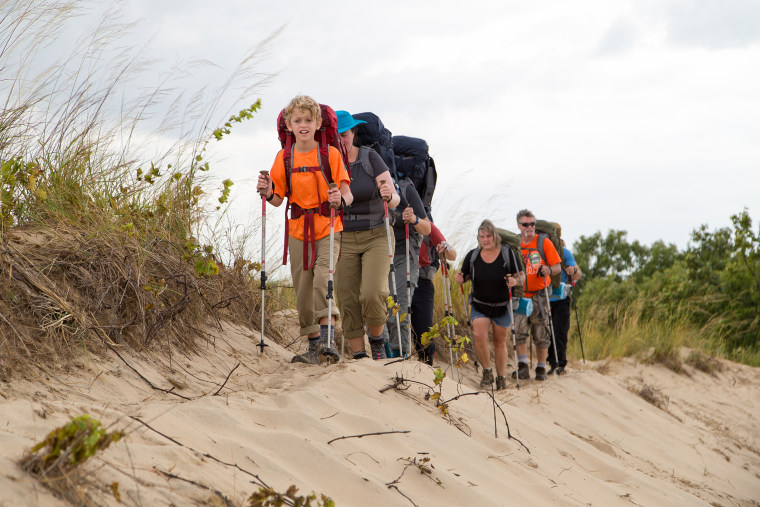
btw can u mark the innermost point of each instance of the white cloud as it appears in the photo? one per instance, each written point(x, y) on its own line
point(519, 109)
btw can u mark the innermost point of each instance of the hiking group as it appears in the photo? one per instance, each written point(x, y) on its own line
point(358, 214)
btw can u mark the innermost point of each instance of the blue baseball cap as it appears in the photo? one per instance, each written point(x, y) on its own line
point(346, 121)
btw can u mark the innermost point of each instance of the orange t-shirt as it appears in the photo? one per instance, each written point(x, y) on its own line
point(533, 261)
point(309, 189)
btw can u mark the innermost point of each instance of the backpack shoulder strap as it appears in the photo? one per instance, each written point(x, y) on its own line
point(505, 251)
point(474, 255)
point(364, 159)
point(540, 246)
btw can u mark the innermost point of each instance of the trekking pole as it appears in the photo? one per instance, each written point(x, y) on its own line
point(512, 332)
point(469, 323)
point(392, 269)
point(578, 322)
point(329, 296)
point(263, 193)
point(408, 299)
point(551, 323)
point(448, 310)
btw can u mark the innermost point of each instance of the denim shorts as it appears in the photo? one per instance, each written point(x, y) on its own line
point(502, 321)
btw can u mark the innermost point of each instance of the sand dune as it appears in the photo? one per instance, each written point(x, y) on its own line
point(586, 438)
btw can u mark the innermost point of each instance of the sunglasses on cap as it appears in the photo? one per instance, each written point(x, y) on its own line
point(527, 224)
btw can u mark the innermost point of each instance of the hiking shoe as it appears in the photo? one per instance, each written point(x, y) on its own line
point(501, 382)
point(361, 355)
point(311, 356)
point(329, 354)
point(377, 350)
point(561, 370)
point(487, 381)
point(522, 371)
point(540, 373)
point(552, 369)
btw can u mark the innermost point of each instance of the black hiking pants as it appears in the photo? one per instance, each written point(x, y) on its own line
point(561, 323)
point(422, 318)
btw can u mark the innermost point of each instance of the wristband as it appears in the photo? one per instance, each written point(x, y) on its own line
point(269, 199)
point(416, 221)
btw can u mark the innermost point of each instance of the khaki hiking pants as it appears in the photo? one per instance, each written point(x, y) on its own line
point(361, 280)
point(311, 284)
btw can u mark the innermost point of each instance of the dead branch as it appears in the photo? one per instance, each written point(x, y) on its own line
point(509, 433)
point(225, 380)
point(258, 480)
point(167, 391)
point(402, 494)
point(367, 435)
point(218, 493)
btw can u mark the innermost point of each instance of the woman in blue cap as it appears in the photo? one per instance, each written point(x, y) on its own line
point(361, 274)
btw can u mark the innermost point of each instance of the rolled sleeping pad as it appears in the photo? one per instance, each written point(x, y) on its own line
point(560, 292)
point(524, 307)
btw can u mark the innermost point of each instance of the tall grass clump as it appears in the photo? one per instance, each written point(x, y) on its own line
point(100, 215)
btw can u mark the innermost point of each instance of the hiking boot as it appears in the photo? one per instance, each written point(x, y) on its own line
point(360, 355)
point(561, 370)
point(487, 381)
point(329, 354)
point(501, 382)
point(377, 350)
point(311, 356)
point(540, 373)
point(552, 369)
point(523, 373)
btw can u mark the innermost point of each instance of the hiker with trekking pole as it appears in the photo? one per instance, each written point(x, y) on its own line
point(560, 309)
point(433, 250)
point(311, 159)
point(541, 261)
point(361, 273)
point(493, 269)
point(410, 211)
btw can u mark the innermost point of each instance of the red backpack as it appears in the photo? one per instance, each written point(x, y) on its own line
point(326, 136)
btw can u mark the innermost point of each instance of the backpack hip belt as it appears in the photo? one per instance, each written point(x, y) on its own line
point(361, 216)
point(505, 303)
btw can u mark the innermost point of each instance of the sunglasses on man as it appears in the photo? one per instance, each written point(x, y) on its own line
point(527, 224)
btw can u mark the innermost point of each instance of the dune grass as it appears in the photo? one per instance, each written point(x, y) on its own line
point(612, 330)
point(102, 221)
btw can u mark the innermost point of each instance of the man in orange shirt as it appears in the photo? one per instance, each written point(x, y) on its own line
point(541, 260)
point(309, 197)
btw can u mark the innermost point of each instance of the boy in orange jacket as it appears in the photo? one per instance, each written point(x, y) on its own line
point(309, 199)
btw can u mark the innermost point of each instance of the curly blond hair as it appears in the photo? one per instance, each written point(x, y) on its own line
point(304, 103)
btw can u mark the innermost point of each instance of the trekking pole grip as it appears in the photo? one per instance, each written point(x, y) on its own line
point(263, 193)
point(382, 182)
point(331, 186)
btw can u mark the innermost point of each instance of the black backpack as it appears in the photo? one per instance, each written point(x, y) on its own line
point(413, 161)
point(376, 136)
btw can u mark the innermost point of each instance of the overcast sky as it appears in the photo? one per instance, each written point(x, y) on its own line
point(600, 114)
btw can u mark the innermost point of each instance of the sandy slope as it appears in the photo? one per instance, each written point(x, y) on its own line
point(590, 439)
